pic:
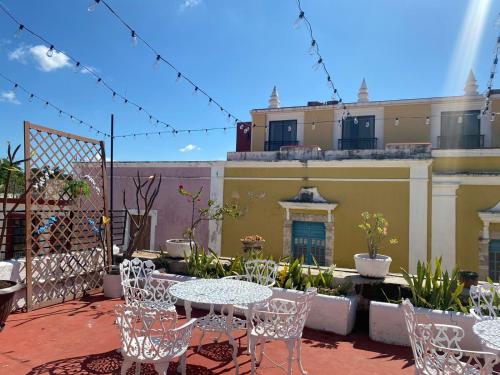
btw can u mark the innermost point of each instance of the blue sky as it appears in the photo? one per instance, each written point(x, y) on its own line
point(236, 51)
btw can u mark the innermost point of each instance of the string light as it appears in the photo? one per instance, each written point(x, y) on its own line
point(137, 37)
point(396, 121)
point(50, 51)
point(19, 31)
point(93, 5)
point(320, 62)
point(491, 78)
point(355, 121)
point(427, 121)
point(133, 37)
point(460, 119)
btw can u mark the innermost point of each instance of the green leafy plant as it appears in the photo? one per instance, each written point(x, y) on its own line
point(435, 289)
point(204, 264)
point(77, 188)
point(375, 227)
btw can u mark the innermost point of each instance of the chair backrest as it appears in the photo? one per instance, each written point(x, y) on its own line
point(134, 272)
point(151, 334)
point(485, 299)
point(415, 334)
point(158, 290)
point(261, 271)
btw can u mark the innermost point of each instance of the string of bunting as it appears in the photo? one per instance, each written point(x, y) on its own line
point(493, 71)
point(320, 61)
point(32, 96)
point(51, 50)
point(159, 58)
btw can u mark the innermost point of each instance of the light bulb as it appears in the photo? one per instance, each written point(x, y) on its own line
point(46, 104)
point(179, 76)
point(241, 127)
point(492, 118)
point(78, 67)
point(313, 47)
point(289, 128)
point(150, 119)
point(344, 115)
point(156, 65)
point(19, 31)
point(114, 95)
point(209, 102)
point(93, 5)
point(195, 91)
point(313, 127)
point(31, 97)
point(460, 119)
point(228, 119)
point(244, 131)
point(427, 121)
point(367, 124)
point(133, 36)
point(318, 64)
point(355, 121)
point(339, 123)
point(99, 80)
point(50, 51)
point(396, 121)
point(15, 87)
point(298, 21)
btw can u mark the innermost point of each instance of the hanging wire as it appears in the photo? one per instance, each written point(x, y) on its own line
point(491, 78)
point(320, 61)
point(32, 96)
point(158, 57)
point(78, 65)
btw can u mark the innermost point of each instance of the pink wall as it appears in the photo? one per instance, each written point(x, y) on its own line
point(173, 209)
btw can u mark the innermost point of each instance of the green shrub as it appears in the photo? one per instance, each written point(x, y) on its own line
point(435, 289)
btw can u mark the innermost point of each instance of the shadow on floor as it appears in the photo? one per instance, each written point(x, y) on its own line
point(108, 363)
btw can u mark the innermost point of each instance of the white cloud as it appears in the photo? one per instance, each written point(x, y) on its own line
point(189, 4)
point(9, 97)
point(39, 53)
point(189, 148)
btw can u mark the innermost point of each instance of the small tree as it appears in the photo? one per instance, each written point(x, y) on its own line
point(145, 196)
point(375, 227)
point(212, 211)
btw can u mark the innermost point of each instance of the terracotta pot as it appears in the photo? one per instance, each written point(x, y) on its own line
point(368, 267)
point(7, 291)
point(178, 248)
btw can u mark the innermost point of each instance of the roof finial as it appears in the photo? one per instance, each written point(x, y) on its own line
point(274, 100)
point(470, 87)
point(363, 92)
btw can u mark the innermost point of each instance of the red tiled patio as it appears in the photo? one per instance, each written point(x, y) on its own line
point(79, 337)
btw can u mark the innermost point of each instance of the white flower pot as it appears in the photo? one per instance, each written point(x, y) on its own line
point(178, 248)
point(377, 267)
point(112, 286)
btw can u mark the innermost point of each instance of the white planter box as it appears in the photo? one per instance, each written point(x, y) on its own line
point(328, 313)
point(387, 324)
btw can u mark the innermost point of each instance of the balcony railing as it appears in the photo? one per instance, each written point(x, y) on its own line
point(357, 144)
point(276, 145)
point(462, 141)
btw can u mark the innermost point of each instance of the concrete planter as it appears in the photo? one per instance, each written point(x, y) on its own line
point(178, 248)
point(368, 267)
point(328, 313)
point(112, 286)
point(387, 324)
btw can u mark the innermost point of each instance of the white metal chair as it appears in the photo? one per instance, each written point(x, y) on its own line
point(284, 320)
point(134, 272)
point(436, 348)
point(150, 335)
point(485, 298)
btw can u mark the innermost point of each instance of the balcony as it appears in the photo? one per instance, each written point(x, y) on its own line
point(276, 145)
point(461, 142)
point(357, 144)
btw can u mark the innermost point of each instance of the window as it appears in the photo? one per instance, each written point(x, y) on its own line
point(308, 241)
point(460, 129)
point(282, 133)
point(358, 133)
point(494, 256)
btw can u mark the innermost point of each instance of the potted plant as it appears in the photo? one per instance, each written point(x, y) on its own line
point(373, 264)
point(252, 243)
point(9, 172)
point(183, 247)
point(76, 188)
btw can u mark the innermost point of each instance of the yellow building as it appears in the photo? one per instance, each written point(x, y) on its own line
point(430, 165)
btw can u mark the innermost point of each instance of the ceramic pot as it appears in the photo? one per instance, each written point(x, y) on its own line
point(368, 267)
point(7, 291)
point(178, 248)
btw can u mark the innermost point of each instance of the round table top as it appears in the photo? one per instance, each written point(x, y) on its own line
point(489, 331)
point(221, 291)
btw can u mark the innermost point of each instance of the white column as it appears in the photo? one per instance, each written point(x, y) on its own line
point(419, 179)
point(444, 223)
point(217, 195)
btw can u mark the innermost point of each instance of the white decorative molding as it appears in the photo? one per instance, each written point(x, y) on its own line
point(443, 242)
point(417, 242)
point(467, 179)
point(363, 93)
point(216, 195)
point(274, 100)
point(491, 215)
point(346, 163)
point(152, 234)
point(466, 153)
point(329, 207)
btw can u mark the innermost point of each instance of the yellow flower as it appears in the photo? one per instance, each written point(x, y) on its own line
point(105, 220)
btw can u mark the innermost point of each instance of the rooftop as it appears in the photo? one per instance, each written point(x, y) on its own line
point(80, 337)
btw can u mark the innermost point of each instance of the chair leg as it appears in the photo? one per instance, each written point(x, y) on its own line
point(137, 368)
point(299, 357)
point(262, 346)
point(183, 364)
point(201, 340)
point(127, 363)
point(162, 368)
point(291, 346)
point(251, 345)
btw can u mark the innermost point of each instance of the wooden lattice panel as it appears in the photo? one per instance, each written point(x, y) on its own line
point(64, 253)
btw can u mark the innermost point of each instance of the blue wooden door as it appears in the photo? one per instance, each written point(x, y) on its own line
point(308, 241)
point(494, 266)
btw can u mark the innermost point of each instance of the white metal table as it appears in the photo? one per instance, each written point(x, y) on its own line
point(489, 332)
point(224, 292)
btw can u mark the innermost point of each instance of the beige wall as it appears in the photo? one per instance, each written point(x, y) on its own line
point(410, 130)
point(466, 164)
point(258, 132)
point(322, 134)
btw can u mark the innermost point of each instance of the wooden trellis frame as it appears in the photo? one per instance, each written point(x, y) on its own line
point(65, 258)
